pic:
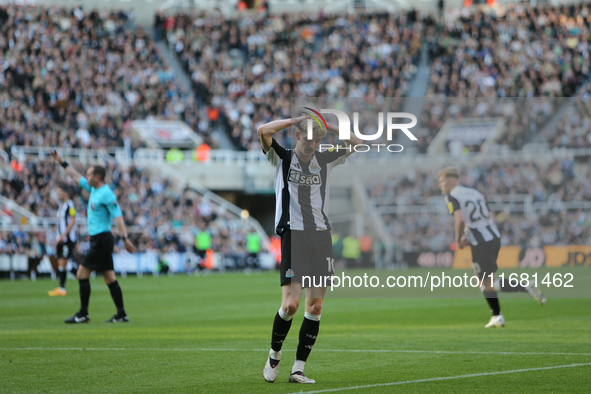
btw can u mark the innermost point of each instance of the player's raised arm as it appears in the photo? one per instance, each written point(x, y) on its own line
point(267, 130)
point(70, 171)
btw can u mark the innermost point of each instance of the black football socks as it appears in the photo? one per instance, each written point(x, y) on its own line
point(281, 326)
point(61, 274)
point(117, 296)
point(84, 295)
point(308, 333)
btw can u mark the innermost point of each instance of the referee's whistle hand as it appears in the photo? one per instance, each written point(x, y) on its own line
point(129, 246)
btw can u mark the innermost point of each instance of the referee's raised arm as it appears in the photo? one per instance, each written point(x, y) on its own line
point(70, 171)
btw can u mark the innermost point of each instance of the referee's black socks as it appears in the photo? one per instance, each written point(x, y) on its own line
point(281, 326)
point(117, 297)
point(84, 295)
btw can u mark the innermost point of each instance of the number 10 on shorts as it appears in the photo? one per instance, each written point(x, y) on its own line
point(330, 262)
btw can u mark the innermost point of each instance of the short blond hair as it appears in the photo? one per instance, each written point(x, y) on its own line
point(449, 172)
point(316, 129)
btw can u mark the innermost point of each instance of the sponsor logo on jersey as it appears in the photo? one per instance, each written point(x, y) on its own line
point(302, 179)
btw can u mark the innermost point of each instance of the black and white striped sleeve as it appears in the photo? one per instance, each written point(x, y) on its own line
point(276, 153)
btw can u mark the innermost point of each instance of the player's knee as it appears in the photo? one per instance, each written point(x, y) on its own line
point(291, 307)
point(315, 309)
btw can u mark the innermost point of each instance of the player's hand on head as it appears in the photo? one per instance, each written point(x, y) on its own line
point(302, 118)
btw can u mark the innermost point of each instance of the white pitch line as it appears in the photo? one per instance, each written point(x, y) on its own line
point(443, 378)
point(315, 350)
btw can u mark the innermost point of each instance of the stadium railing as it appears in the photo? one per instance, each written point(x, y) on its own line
point(525, 205)
point(84, 156)
point(240, 158)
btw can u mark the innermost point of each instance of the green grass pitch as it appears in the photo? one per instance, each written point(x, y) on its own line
point(211, 334)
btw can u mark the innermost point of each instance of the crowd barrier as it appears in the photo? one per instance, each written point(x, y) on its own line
point(509, 257)
point(124, 263)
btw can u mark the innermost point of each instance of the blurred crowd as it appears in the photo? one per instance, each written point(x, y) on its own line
point(556, 184)
point(159, 216)
point(522, 118)
point(574, 129)
point(518, 52)
point(252, 66)
point(77, 78)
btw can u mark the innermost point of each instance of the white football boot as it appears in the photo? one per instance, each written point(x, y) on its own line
point(270, 372)
point(299, 377)
point(496, 321)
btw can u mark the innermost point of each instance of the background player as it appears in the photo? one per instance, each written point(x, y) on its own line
point(102, 207)
point(474, 226)
point(301, 186)
point(66, 242)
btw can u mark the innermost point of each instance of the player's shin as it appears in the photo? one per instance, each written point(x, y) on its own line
point(492, 300)
point(281, 326)
point(308, 333)
point(62, 274)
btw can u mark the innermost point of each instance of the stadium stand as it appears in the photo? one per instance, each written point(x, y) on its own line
point(556, 191)
point(524, 52)
point(527, 52)
point(74, 78)
point(243, 66)
point(574, 129)
point(161, 217)
point(240, 76)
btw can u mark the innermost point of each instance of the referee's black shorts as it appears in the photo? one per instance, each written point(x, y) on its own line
point(306, 253)
point(484, 257)
point(99, 256)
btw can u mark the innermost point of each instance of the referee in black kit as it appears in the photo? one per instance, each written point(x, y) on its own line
point(301, 219)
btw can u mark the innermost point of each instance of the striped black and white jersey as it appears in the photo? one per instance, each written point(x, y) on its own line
point(302, 189)
point(480, 227)
point(66, 213)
